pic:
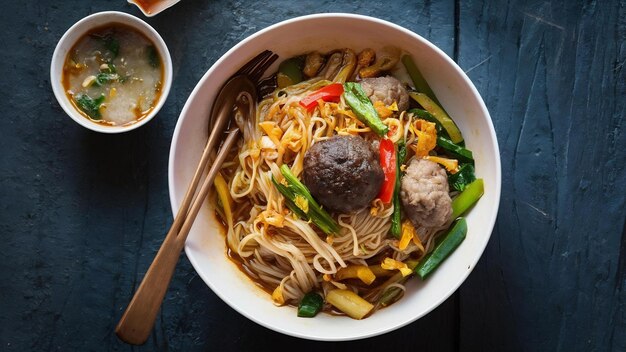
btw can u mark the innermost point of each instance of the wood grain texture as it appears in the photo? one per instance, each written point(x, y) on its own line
point(552, 76)
point(83, 214)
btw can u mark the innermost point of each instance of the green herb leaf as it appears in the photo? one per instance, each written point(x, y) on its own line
point(90, 106)
point(462, 178)
point(103, 78)
point(110, 68)
point(112, 45)
point(153, 56)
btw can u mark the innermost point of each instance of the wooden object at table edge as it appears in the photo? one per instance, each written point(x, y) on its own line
point(138, 320)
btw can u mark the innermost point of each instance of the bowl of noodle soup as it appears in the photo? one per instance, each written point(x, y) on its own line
point(207, 247)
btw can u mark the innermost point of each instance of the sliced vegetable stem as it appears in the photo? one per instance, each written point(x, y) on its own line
point(418, 79)
point(440, 114)
point(443, 249)
point(396, 216)
point(391, 294)
point(310, 305)
point(467, 198)
point(290, 72)
point(349, 302)
point(397, 276)
point(300, 201)
point(362, 272)
point(224, 198)
point(456, 151)
point(363, 108)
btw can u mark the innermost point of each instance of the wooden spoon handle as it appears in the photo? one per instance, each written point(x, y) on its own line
point(136, 324)
point(138, 320)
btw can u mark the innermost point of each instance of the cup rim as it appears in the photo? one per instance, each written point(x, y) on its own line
point(75, 32)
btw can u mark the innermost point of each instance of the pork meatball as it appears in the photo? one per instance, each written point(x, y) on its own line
point(343, 173)
point(424, 194)
point(387, 90)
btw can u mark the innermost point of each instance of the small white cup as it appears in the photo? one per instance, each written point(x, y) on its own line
point(74, 33)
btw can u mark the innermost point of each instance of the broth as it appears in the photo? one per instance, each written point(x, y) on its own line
point(113, 75)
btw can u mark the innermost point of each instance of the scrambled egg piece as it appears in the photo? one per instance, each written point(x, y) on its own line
point(392, 264)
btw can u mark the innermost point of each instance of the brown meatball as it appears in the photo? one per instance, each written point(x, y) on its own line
point(386, 89)
point(424, 194)
point(343, 173)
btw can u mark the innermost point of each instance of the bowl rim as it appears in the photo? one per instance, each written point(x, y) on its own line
point(78, 29)
point(483, 109)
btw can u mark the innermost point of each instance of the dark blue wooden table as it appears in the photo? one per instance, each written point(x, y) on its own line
point(82, 214)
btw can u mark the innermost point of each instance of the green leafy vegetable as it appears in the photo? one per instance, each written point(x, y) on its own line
point(363, 108)
point(310, 305)
point(103, 78)
point(299, 200)
point(443, 249)
point(289, 195)
point(109, 42)
point(110, 68)
point(462, 178)
point(90, 106)
point(107, 74)
point(153, 56)
point(112, 45)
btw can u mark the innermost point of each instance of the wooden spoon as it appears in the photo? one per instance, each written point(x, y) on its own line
point(239, 93)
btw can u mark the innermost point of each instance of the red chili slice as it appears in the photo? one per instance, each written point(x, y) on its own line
point(388, 163)
point(331, 92)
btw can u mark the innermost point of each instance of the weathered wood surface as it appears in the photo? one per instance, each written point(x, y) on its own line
point(82, 214)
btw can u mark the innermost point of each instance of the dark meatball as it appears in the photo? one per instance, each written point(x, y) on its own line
point(343, 173)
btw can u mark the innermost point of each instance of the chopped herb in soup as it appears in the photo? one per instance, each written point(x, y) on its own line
point(113, 75)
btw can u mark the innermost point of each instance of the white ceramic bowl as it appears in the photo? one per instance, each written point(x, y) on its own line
point(73, 34)
point(206, 246)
